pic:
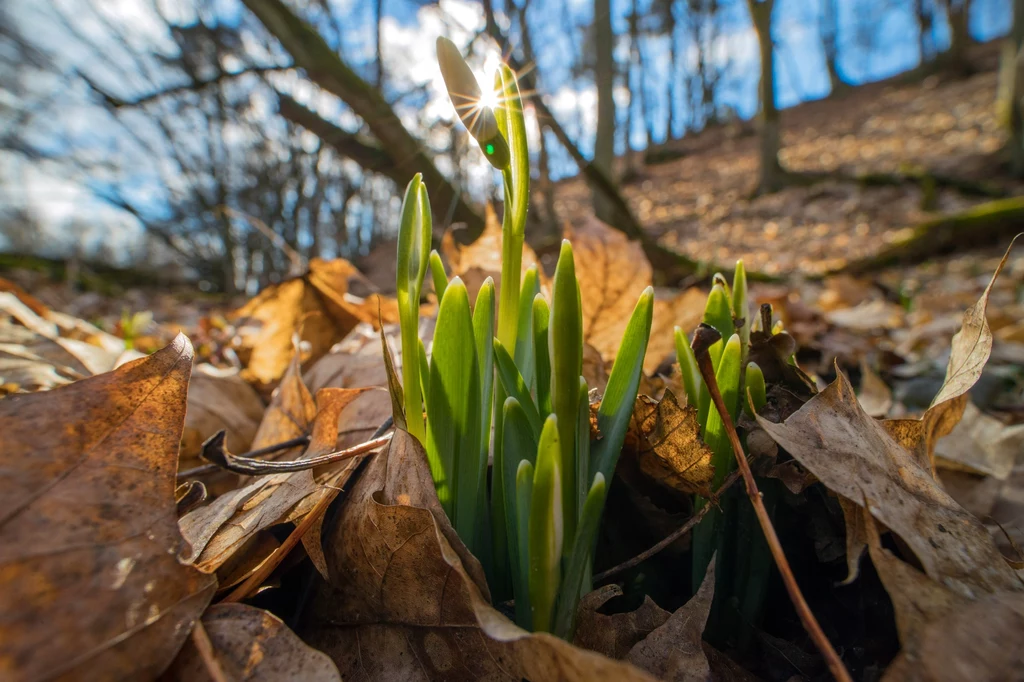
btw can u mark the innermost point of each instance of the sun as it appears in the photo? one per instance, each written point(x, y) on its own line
point(488, 95)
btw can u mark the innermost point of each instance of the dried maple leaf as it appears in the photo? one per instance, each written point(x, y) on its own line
point(853, 455)
point(253, 645)
point(91, 585)
point(612, 271)
point(316, 304)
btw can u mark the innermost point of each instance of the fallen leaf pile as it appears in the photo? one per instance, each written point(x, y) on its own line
point(116, 535)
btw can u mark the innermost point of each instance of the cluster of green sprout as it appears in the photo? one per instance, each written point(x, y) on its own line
point(729, 530)
point(536, 532)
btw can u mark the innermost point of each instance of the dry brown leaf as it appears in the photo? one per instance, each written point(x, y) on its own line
point(852, 454)
point(316, 304)
point(673, 651)
point(970, 350)
point(615, 634)
point(875, 397)
point(981, 444)
point(612, 271)
point(666, 440)
point(856, 538)
point(218, 402)
point(594, 369)
point(979, 642)
point(407, 601)
point(219, 529)
point(253, 645)
point(357, 362)
point(945, 635)
point(290, 413)
point(475, 262)
point(971, 346)
point(684, 310)
point(91, 586)
point(666, 645)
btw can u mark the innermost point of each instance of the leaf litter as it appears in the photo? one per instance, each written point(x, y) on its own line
point(402, 596)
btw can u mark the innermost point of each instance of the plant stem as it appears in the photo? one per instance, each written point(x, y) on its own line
point(702, 340)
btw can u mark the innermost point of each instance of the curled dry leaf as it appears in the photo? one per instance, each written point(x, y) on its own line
point(358, 362)
point(36, 354)
point(970, 350)
point(91, 585)
point(665, 439)
point(475, 262)
point(407, 601)
point(853, 455)
point(253, 645)
point(317, 304)
point(219, 529)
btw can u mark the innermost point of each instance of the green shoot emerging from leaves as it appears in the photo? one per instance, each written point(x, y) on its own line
point(513, 359)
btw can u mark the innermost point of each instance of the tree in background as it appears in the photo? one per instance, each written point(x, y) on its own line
point(828, 27)
point(771, 175)
point(604, 78)
point(1010, 102)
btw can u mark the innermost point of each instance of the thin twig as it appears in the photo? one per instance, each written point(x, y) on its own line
point(674, 535)
point(214, 450)
point(274, 560)
point(270, 449)
point(702, 340)
point(209, 657)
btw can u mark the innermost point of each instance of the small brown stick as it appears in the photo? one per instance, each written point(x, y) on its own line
point(270, 449)
point(214, 450)
point(674, 535)
point(205, 647)
point(702, 341)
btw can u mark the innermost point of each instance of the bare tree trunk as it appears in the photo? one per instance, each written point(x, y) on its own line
point(671, 85)
point(1009, 107)
point(829, 28)
point(955, 58)
point(959, 35)
point(772, 177)
point(924, 28)
point(631, 85)
point(378, 11)
point(604, 142)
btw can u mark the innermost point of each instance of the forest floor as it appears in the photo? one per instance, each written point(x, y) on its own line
point(66, 394)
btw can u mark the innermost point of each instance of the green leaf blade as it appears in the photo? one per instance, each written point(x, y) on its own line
point(565, 346)
point(454, 424)
point(546, 528)
point(623, 383)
